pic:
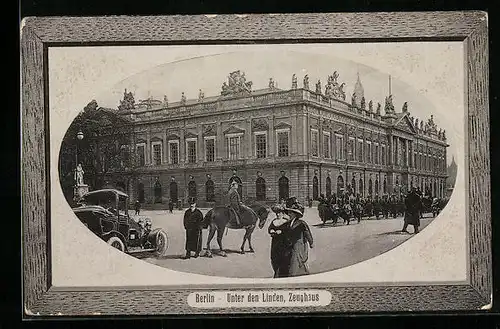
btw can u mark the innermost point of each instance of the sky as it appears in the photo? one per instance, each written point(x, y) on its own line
point(419, 76)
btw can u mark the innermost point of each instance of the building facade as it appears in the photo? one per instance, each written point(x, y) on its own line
point(279, 143)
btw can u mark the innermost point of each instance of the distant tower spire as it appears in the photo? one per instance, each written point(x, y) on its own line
point(390, 92)
point(359, 91)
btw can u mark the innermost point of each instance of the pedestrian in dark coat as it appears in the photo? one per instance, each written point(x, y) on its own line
point(412, 213)
point(193, 222)
point(170, 205)
point(137, 207)
point(280, 253)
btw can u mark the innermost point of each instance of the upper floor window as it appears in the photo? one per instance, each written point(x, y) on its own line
point(141, 154)
point(233, 149)
point(260, 145)
point(157, 153)
point(360, 150)
point(173, 152)
point(339, 147)
point(210, 149)
point(283, 143)
point(351, 149)
point(327, 145)
point(368, 152)
point(191, 150)
point(384, 155)
point(376, 154)
point(314, 142)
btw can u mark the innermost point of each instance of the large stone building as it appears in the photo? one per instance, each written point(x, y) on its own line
point(279, 143)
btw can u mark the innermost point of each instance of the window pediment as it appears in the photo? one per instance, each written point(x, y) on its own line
point(260, 125)
point(234, 130)
point(156, 139)
point(173, 137)
point(190, 135)
point(282, 125)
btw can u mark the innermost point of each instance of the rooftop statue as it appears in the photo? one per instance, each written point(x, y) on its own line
point(201, 95)
point(165, 101)
point(294, 81)
point(362, 104)
point(236, 84)
point(421, 125)
point(306, 82)
point(389, 106)
point(379, 107)
point(405, 107)
point(183, 98)
point(341, 92)
point(271, 83)
point(318, 87)
point(370, 106)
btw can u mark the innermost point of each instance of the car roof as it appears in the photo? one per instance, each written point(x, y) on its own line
point(91, 208)
point(108, 190)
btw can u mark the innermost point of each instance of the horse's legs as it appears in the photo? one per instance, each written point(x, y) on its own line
point(245, 237)
point(211, 234)
point(220, 233)
point(249, 238)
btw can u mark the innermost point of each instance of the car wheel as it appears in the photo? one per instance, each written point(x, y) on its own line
point(116, 243)
point(161, 243)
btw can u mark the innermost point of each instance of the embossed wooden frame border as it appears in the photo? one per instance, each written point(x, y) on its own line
point(39, 33)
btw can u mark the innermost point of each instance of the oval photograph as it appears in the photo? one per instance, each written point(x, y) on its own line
point(257, 164)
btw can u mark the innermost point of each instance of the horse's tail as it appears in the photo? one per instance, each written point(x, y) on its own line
point(208, 218)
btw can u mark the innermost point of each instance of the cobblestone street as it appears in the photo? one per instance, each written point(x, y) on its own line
point(334, 246)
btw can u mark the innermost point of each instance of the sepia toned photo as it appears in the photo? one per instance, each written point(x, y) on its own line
point(315, 161)
point(257, 178)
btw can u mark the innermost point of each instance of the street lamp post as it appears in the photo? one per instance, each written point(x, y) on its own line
point(79, 137)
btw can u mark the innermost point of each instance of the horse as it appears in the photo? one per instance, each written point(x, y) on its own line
point(217, 219)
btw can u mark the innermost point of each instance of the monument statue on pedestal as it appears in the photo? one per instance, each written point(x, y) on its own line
point(79, 175)
point(80, 187)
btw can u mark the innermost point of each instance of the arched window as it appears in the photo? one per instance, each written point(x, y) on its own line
point(192, 189)
point(210, 190)
point(328, 186)
point(353, 186)
point(385, 186)
point(315, 188)
point(174, 195)
point(370, 187)
point(140, 192)
point(361, 187)
point(283, 188)
point(240, 187)
point(158, 192)
point(377, 190)
point(340, 185)
point(260, 189)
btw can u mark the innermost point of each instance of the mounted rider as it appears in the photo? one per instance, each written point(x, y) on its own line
point(235, 201)
point(236, 206)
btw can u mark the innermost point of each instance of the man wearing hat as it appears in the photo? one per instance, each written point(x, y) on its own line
point(235, 200)
point(193, 222)
point(412, 213)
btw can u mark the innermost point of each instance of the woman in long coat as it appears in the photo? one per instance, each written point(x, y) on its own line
point(193, 221)
point(291, 239)
point(299, 239)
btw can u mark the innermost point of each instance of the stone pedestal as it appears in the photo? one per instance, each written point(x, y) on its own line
point(79, 191)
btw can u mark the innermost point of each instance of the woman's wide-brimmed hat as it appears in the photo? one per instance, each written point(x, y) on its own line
point(292, 205)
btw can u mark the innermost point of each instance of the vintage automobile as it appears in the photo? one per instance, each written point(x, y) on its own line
point(105, 213)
